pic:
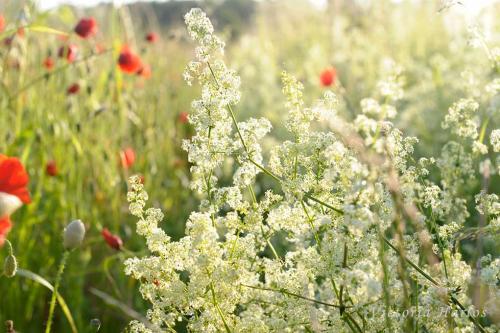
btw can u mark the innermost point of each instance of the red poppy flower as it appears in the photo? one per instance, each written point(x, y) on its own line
point(127, 157)
point(328, 76)
point(2, 23)
point(183, 117)
point(51, 168)
point(86, 27)
point(128, 61)
point(13, 191)
point(152, 37)
point(73, 89)
point(145, 71)
point(114, 241)
point(48, 63)
point(13, 180)
point(5, 226)
point(69, 52)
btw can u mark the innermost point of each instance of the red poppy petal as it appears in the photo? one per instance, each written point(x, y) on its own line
point(14, 179)
point(5, 226)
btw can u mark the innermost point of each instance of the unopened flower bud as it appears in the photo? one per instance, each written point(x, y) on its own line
point(74, 234)
point(10, 266)
point(95, 324)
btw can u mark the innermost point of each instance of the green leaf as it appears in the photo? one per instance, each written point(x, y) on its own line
point(37, 278)
point(44, 29)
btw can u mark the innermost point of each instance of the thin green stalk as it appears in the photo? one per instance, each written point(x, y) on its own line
point(385, 285)
point(411, 263)
point(9, 247)
point(471, 318)
point(289, 293)
point(323, 203)
point(55, 71)
point(428, 277)
point(270, 244)
point(53, 299)
point(483, 129)
point(348, 316)
point(310, 220)
point(216, 304)
point(348, 322)
point(341, 292)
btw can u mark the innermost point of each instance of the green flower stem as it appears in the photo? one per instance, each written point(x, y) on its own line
point(9, 247)
point(453, 299)
point(310, 220)
point(484, 126)
point(52, 307)
point(219, 310)
point(55, 71)
point(385, 284)
point(289, 293)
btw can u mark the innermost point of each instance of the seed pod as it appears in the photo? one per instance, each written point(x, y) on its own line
point(10, 266)
point(9, 326)
point(74, 234)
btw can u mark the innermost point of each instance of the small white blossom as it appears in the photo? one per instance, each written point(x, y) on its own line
point(495, 140)
point(461, 118)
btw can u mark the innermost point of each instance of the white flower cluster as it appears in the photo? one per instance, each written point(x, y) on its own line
point(495, 140)
point(461, 118)
point(354, 237)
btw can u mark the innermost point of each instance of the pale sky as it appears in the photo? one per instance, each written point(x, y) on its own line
point(471, 5)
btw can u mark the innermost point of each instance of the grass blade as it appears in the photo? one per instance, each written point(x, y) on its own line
point(110, 300)
point(37, 278)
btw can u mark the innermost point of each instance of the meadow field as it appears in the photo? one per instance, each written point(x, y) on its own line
point(250, 166)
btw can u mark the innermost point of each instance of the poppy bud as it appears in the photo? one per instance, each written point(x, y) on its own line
point(183, 117)
point(127, 157)
point(73, 89)
point(74, 234)
point(9, 326)
point(69, 52)
point(48, 63)
point(95, 324)
point(51, 168)
point(86, 27)
point(113, 241)
point(10, 266)
point(8, 41)
point(151, 37)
